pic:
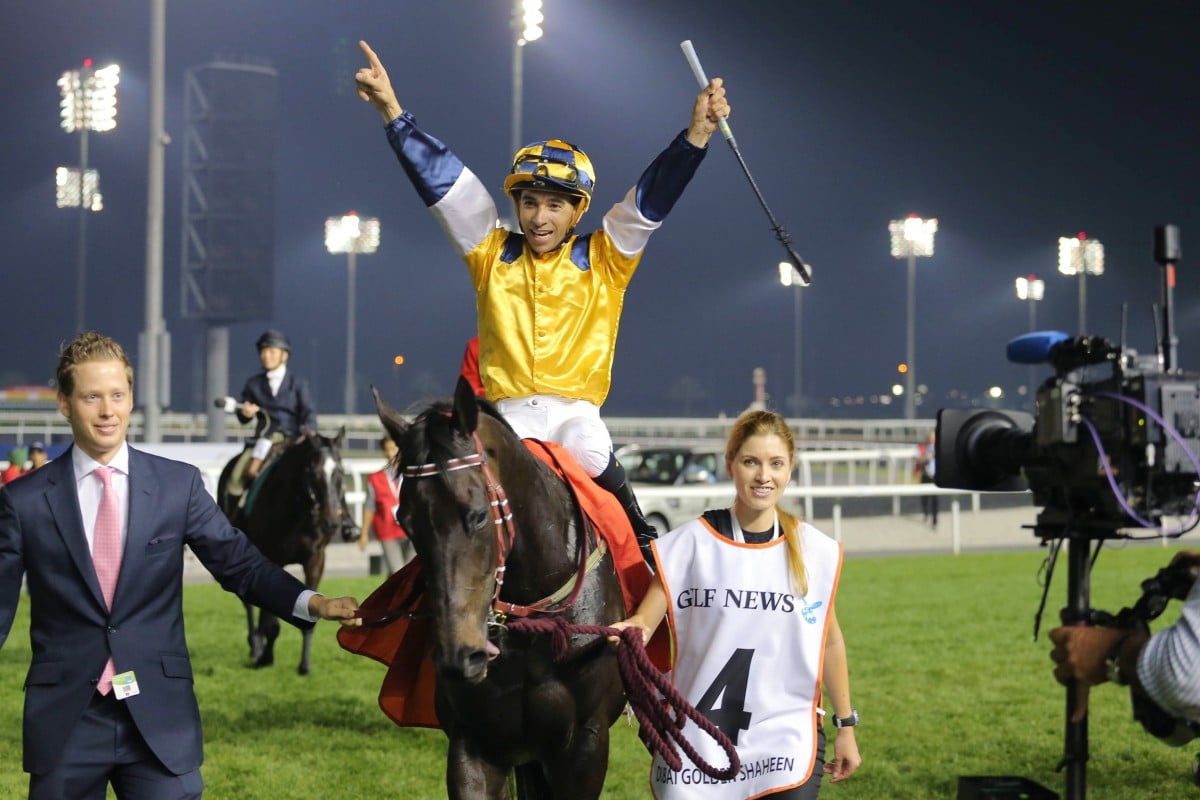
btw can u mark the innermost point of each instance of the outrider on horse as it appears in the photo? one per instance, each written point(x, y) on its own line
point(291, 512)
point(499, 534)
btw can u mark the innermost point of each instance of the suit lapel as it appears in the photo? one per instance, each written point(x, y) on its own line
point(143, 487)
point(62, 498)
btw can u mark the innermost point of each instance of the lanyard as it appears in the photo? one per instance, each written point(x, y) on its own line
point(737, 528)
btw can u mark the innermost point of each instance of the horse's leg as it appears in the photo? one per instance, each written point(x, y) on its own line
point(578, 773)
point(469, 777)
point(531, 783)
point(252, 637)
point(314, 570)
point(268, 632)
point(305, 652)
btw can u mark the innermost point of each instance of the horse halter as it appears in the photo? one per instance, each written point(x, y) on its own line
point(506, 532)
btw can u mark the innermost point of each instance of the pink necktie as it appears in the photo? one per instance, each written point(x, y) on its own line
point(106, 553)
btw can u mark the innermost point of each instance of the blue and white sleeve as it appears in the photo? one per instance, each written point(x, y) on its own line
point(630, 222)
point(458, 199)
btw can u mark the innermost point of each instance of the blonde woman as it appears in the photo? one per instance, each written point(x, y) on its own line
point(748, 594)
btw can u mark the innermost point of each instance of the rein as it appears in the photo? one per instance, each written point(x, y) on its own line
point(660, 723)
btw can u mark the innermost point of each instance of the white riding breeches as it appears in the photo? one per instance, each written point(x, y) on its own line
point(575, 424)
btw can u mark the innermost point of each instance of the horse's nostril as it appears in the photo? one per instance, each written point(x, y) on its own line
point(469, 664)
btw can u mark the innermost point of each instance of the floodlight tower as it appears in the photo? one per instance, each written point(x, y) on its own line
point(527, 21)
point(1031, 289)
point(89, 103)
point(1079, 255)
point(351, 234)
point(912, 237)
point(788, 276)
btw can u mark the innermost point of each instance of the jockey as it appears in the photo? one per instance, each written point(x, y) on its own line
point(282, 396)
point(548, 299)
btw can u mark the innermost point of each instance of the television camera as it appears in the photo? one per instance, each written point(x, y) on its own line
point(1109, 453)
point(1112, 447)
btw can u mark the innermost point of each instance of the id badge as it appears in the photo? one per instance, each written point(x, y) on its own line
point(125, 685)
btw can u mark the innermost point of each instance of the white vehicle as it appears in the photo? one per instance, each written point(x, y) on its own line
point(676, 466)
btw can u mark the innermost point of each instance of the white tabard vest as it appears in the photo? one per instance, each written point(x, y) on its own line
point(748, 655)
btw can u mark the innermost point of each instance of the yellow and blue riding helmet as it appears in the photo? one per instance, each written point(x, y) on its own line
point(553, 166)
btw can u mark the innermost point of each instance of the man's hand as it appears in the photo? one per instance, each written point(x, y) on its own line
point(1079, 654)
point(249, 409)
point(375, 87)
point(711, 107)
point(343, 609)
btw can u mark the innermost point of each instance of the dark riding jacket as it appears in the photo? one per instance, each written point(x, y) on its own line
point(291, 410)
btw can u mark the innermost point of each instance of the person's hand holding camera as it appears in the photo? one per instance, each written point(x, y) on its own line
point(1090, 654)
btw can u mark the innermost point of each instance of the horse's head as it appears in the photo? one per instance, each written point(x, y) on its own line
point(324, 482)
point(446, 507)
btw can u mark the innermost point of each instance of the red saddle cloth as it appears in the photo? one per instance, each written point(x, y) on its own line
point(405, 646)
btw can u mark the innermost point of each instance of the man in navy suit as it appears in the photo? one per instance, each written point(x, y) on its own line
point(282, 396)
point(109, 694)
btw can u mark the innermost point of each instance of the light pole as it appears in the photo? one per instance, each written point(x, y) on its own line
point(351, 235)
point(1031, 289)
point(788, 276)
point(89, 103)
point(912, 237)
point(527, 27)
point(1079, 255)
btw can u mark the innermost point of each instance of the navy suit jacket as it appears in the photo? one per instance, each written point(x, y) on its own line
point(71, 630)
point(291, 410)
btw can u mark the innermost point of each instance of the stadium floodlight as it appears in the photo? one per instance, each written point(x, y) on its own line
point(1031, 289)
point(88, 103)
point(526, 24)
point(351, 234)
point(89, 98)
point(69, 194)
point(1079, 255)
point(788, 276)
point(912, 238)
point(528, 19)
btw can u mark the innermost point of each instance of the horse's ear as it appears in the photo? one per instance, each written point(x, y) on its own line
point(393, 423)
point(466, 410)
point(341, 435)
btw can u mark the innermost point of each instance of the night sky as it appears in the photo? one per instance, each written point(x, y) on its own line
point(1012, 123)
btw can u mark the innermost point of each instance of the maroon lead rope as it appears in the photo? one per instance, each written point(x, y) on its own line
point(661, 723)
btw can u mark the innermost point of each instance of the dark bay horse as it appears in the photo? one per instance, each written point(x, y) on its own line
point(504, 702)
point(295, 510)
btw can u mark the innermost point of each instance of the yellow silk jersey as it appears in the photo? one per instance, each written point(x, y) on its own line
point(547, 323)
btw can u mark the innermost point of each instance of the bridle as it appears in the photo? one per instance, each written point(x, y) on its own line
point(315, 501)
point(506, 534)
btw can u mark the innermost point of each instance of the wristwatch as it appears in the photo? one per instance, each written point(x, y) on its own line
point(1112, 663)
point(846, 722)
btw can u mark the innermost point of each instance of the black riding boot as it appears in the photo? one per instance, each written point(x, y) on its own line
point(645, 532)
point(614, 480)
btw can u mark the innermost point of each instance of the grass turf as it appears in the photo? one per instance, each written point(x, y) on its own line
point(943, 668)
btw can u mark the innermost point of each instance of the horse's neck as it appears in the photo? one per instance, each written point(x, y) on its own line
point(544, 513)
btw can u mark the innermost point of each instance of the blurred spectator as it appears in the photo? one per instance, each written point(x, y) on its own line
point(379, 511)
point(16, 465)
point(924, 470)
point(37, 455)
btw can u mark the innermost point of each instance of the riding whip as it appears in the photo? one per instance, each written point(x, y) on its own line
point(802, 269)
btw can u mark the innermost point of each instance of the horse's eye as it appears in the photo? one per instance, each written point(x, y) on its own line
point(477, 518)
